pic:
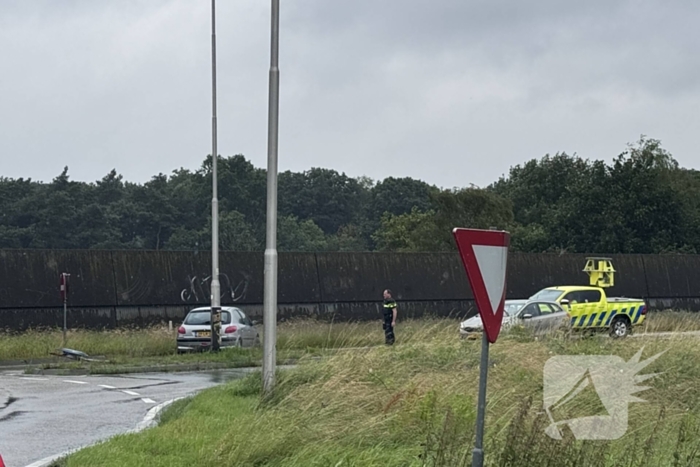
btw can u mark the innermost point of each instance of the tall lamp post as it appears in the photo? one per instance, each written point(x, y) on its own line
point(270, 296)
point(215, 285)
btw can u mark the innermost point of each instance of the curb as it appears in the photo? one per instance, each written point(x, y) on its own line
point(149, 420)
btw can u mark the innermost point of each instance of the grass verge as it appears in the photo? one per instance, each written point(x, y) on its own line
point(413, 404)
point(131, 349)
point(671, 321)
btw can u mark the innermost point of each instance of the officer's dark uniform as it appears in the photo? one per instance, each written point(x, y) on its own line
point(389, 305)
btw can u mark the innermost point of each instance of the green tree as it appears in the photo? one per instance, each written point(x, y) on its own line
point(235, 234)
point(300, 235)
point(349, 238)
point(643, 197)
point(413, 231)
point(331, 200)
point(16, 213)
point(241, 186)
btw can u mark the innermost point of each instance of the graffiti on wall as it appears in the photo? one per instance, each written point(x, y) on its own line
point(198, 289)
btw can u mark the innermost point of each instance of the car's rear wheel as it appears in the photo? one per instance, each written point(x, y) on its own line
point(620, 327)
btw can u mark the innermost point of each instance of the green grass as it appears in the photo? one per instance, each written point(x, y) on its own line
point(413, 404)
point(156, 345)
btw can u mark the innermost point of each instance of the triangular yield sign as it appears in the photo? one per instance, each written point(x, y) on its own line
point(484, 254)
point(492, 264)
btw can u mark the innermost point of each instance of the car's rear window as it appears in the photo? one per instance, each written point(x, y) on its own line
point(204, 317)
point(547, 295)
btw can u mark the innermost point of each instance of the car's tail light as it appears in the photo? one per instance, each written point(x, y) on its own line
point(231, 329)
point(644, 310)
point(181, 330)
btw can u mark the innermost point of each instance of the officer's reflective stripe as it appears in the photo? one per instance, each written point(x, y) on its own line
point(590, 321)
point(613, 313)
point(602, 317)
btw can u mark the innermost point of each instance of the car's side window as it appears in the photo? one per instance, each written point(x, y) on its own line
point(237, 318)
point(591, 296)
point(573, 297)
point(225, 317)
point(556, 308)
point(545, 308)
point(243, 319)
point(531, 309)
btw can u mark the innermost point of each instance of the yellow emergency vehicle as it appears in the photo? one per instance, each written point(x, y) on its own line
point(590, 308)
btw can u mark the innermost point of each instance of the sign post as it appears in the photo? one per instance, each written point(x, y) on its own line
point(64, 297)
point(484, 254)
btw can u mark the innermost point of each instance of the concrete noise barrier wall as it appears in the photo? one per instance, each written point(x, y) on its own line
point(112, 288)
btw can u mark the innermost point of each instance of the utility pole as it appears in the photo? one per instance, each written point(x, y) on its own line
point(270, 297)
point(64, 296)
point(215, 286)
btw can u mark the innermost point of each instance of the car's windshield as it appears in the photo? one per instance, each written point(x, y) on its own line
point(547, 295)
point(511, 307)
point(204, 317)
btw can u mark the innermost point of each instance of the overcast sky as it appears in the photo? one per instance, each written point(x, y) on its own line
point(449, 91)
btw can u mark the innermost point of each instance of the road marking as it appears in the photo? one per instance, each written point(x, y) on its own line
point(74, 382)
point(131, 393)
point(148, 401)
point(107, 386)
point(34, 379)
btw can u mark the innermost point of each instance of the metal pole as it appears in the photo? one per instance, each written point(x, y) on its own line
point(215, 286)
point(270, 297)
point(65, 320)
point(478, 451)
point(64, 293)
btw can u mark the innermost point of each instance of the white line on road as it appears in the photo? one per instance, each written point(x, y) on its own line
point(148, 401)
point(33, 379)
point(131, 393)
point(107, 386)
point(74, 382)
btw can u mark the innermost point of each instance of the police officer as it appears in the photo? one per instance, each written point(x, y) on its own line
point(389, 317)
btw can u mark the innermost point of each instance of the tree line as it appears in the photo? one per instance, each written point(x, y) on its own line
point(642, 202)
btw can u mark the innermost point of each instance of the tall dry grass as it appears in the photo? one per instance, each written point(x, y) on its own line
point(671, 321)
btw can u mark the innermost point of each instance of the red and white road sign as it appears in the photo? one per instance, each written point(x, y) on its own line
point(485, 257)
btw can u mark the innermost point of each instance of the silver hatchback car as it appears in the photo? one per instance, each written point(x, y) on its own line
point(539, 315)
point(237, 330)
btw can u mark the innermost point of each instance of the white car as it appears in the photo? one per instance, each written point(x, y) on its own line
point(237, 330)
point(540, 315)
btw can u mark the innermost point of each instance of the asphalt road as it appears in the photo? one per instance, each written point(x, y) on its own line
point(41, 416)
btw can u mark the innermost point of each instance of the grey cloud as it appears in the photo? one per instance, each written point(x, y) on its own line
point(449, 91)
